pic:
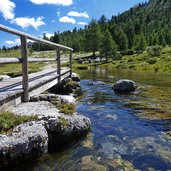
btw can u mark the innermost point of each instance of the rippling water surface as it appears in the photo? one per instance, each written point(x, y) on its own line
point(129, 132)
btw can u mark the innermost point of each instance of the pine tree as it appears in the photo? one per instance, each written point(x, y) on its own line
point(130, 32)
point(140, 43)
point(4, 48)
point(103, 23)
point(162, 41)
point(92, 37)
point(108, 46)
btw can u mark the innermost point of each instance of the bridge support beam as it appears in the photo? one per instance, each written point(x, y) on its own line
point(58, 64)
point(70, 61)
point(24, 56)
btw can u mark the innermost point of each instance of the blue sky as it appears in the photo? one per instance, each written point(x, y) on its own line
point(47, 16)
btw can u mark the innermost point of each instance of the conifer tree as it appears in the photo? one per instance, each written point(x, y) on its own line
point(92, 37)
point(108, 46)
point(140, 43)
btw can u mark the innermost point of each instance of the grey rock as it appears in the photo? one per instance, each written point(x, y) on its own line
point(53, 98)
point(27, 142)
point(61, 128)
point(80, 61)
point(124, 86)
point(42, 109)
point(67, 87)
point(65, 129)
point(75, 77)
point(97, 59)
point(31, 140)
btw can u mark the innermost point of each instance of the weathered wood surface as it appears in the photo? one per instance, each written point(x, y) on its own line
point(25, 97)
point(19, 60)
point(19, 33)
point(11, 89)
point(30, 60)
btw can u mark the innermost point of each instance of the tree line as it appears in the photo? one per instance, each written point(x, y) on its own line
point(146, 24)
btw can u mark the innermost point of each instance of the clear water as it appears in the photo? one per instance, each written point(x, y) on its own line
point(129, 132)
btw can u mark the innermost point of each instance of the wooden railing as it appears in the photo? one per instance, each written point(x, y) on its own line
point(24, 57)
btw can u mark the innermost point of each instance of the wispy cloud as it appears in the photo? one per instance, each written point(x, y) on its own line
point(78, 14)
point(53, 2)
point(7, 9)
point(82, 23)
point(67, 19)
point(25, 22)
point(13, 42)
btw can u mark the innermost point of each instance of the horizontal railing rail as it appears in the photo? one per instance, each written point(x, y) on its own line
point(19, 33)
point(19, 60)
point(24, 57)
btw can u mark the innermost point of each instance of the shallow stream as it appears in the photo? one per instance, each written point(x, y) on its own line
point(129, 132)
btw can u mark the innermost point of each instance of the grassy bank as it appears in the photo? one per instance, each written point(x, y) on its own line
point(139, 62)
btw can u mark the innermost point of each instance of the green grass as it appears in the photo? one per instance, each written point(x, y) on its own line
point(63, 121)
point(9, 121)
point(15, 70)
point(140, 62)
point(67, 108)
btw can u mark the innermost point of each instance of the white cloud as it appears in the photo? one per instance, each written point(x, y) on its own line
point(25, 22)
point(49, 35)
point(7, 9)
point(67, 19)
point(13, 42)
point(53, 2)
point(78, 14)
point(82, 23)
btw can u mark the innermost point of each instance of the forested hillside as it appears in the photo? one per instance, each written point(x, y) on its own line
point(145, 24)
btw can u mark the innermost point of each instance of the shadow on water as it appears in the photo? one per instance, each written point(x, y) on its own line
point(128, 131)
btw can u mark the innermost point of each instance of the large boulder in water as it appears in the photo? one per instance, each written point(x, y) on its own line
point(124, 86)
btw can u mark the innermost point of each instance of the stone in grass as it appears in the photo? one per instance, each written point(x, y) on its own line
point(124, 86)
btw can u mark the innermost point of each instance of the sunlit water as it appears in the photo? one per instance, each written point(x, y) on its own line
point(129, 132)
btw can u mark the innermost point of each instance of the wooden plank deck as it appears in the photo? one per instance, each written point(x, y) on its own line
point(11, 90)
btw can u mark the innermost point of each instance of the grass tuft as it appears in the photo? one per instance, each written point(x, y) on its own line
point(67, 108)
point(8, 121)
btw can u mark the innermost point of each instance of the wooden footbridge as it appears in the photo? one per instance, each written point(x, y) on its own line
point(19, 89)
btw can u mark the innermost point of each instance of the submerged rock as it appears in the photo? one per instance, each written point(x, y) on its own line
point(26, 142)
point(97, 83)
point(88, 163)
point(124, 86)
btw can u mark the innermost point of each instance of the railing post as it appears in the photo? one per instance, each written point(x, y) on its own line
point(70, 61)
point(24, 56)
point(58, 64)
